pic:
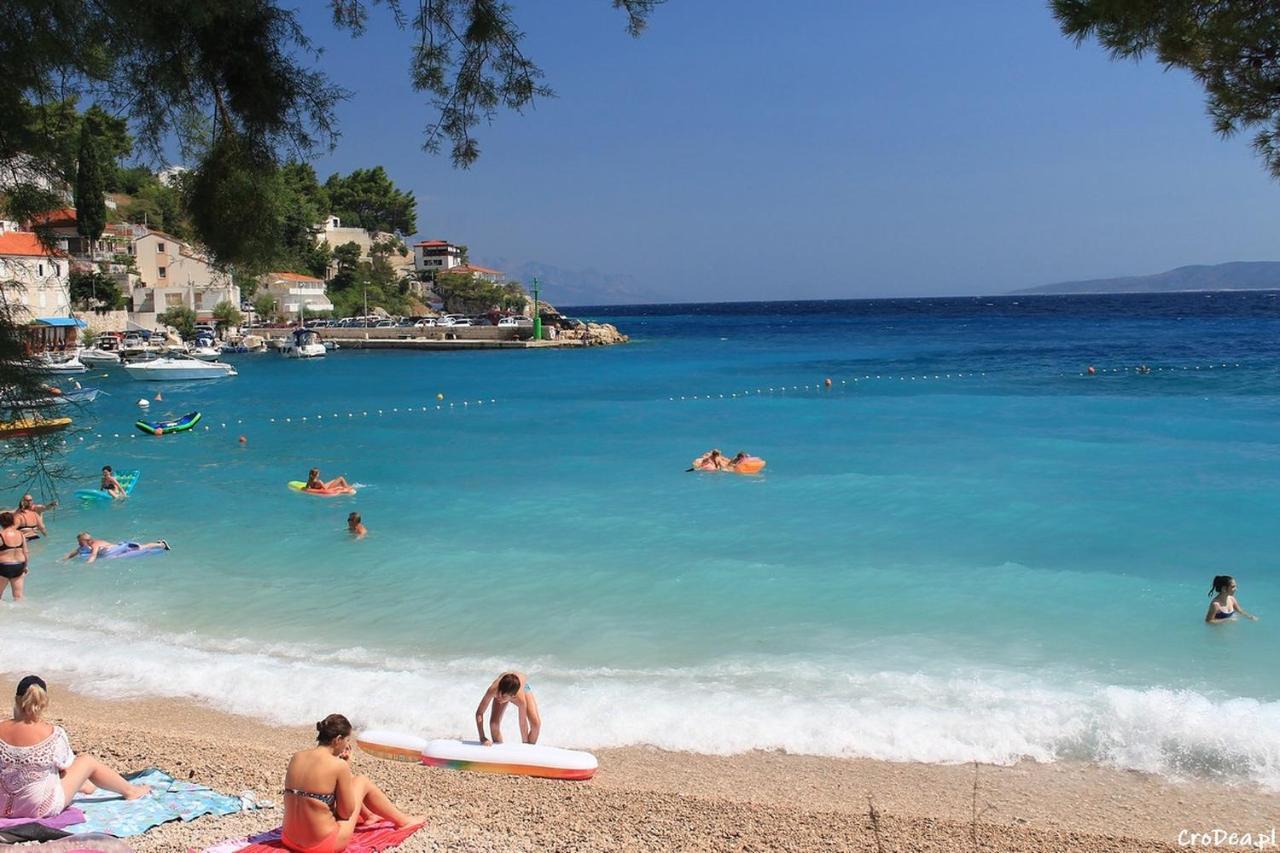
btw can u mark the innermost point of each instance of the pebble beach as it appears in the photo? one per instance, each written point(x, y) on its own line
point(650, 799)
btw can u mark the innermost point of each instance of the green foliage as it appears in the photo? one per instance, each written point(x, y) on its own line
point(234, 198)
point(91, 209)
point(465, 294)
point(1231, 49)
point(226, 315)
point(95, 291)
point(264, 305)
point(181, 318)
point(368, 199)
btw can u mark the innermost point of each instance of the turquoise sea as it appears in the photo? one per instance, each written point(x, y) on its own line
point(966, 549)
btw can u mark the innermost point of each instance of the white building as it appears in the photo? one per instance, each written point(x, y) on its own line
point(436, 256)
point(172, 273)
point(491, 276)
point(295, 292)
point(333, 232)
point(36, 279)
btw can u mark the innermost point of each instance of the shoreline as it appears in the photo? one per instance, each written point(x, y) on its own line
point(644, 797)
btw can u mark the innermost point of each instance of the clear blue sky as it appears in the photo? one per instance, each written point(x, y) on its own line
point(757, 150)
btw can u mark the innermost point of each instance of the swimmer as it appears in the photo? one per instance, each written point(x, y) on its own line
point(1224, 605)
point(355, 526)
point(513, 688)
point(92, 548)
point(110, 484)
point(30, 521)
point(712, 460)
point(314, 482)
point(742, 456)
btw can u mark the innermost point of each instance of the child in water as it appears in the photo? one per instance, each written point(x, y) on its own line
point(355, 526)
point(509, 688)
point(1224, 605)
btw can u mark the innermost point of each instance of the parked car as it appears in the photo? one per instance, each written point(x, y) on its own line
point(462, 321)
point(425, 323)
point(515, 321)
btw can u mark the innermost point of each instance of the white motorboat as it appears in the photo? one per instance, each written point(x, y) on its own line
point(45, 364)
point(98, 357)
point(304, 343)
point(178, 368)
point(204, 352)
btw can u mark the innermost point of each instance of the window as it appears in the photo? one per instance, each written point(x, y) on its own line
point(159, 248)
point(162, 271)
point(172, 300)
point(40, 269)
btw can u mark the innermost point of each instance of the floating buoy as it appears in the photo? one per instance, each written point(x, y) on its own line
point(1091, 371)
point(143, 403)
point(440, 396)
point(159, 396)
point(244, 440)
point(827, 382)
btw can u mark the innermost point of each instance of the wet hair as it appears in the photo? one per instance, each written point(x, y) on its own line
point(331, 728)
point(83, 534)
point(353, 518)
point(1221, 582)
point(27, 500)
point(313, 473)
point(508, 684)
point(107, 468)
point(6, 519)
point(31, 699)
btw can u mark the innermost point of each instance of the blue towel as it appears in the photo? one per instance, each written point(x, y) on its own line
point(169, 799)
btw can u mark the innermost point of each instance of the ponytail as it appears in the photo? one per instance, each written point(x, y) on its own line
point(331, 728)
point(1220, 582)
point(30, 703)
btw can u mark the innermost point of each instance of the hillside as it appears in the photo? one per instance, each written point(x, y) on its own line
point(1237, 275)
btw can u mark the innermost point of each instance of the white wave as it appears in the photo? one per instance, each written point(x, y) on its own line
point(733, 706)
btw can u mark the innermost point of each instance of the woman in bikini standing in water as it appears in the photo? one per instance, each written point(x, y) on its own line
point(1224, 605)
point(13, 556)
point(324, 800)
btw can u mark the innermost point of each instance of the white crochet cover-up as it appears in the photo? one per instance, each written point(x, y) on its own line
point(30, 783)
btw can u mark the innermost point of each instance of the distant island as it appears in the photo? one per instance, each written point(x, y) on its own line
point(1237, 275)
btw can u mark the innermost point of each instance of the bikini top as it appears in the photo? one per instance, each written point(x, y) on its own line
point(329, 800)
point(1224, 614)
point(5, 546)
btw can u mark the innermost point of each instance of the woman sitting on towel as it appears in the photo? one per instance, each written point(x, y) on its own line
point(324, 800)
point(39, 774)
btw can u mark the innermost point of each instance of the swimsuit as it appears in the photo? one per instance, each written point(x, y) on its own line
point(328, 844)
point(12, 571)
point(1224, 614)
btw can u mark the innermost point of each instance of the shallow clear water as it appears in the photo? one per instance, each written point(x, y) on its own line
point(965, 549)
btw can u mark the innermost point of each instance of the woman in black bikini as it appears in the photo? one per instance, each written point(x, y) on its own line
point(324, 800)
point(28, 518)
point(1224, 606)
point(13, 556)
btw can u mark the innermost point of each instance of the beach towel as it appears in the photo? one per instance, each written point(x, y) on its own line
point(368, 838)
point(170, 799)
point(92, 843)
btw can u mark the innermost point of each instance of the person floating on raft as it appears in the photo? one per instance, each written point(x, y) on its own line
point(92, 549)
point(742, 463)
point(110, 484)
point(315, 484)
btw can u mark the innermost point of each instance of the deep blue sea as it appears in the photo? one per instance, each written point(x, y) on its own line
point(967, 548)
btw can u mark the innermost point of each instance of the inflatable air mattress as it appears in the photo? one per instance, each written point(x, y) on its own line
point(300, 486)
point(391, 745)
point(520, 759)
point(126, 479)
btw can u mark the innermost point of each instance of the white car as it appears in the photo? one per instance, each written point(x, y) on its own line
point(515, 321)
point(425, 323)
point(462, 321)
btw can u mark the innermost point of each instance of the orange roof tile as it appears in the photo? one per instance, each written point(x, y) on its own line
point(292, 276)
point(26, 244)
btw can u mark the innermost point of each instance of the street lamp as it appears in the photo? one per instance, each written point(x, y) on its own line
point(537, 315)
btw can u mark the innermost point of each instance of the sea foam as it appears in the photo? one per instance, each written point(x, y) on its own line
point(732, 706)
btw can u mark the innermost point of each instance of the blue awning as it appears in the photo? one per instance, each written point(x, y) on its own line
point(60, 321)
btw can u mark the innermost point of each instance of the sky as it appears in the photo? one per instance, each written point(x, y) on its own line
point(744, 150)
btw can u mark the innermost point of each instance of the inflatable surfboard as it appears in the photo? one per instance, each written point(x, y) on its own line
point(750, 465)
point(300, 486)
point(126, 479)
point(391, 745)
point(182, 424)
point(520, 759)
point(123, 550)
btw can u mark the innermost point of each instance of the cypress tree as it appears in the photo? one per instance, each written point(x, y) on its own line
point(91, 210)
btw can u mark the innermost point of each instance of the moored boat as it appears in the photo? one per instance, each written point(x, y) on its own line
point(303, 343)
point(178, 368)
point(24, 427)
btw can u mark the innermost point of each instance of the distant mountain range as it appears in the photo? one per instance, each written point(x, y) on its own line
point(1237, 275)
point(562, 286)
